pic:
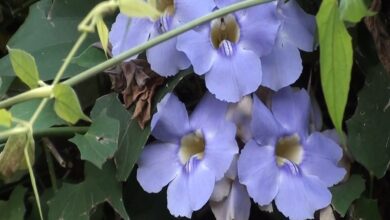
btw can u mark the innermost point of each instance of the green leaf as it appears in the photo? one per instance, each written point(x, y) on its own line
point(369, 127)
point(131, 137)
point(46, 119)
point(67, 105)
point(14, 209)
point(366, 209)
point(335, 59)
point(102, 32)
point(354, 10)
point(49, 32)
point(12, 159)
point(90, 57)
point(5, 118)
point(75, 201)
point(346, 193)
point(24, 66)
point(100, 142)
point(138, 8)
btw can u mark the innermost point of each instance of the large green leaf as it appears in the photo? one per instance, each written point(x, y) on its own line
point(335, 59)
point(49, 32)
point(131, 138)
point(369, 127)
point(90, 57)
point(75, 201)
point(354, 10)
point(366, 209)
point(100, 142)
point(14, 209)
point(346, 193)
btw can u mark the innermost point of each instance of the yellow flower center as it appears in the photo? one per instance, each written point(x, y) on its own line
point(167, 6)
point(191, 145)
point(224, 29)
point(288, 149)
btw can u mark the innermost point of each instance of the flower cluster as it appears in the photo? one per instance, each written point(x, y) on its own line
point(283, 159)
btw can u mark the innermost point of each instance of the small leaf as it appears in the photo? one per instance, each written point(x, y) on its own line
point(5, 118)
point(346, 193)
point(335, 60)
point(75, 201)
point(67, 105)
point(90, 57)
point(354, 10)
point(100, 142)
point(102, 32)
point(24, 66)
point(12, 159)
point(138, 8)
point(14, 208)
point(131, 137)
point(366, 209)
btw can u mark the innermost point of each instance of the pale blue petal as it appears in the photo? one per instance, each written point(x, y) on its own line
point(178, 196)
point(232, 77)
point(170, 122)
point(321, 157)
point(292, 110)
point(283, 66)
point(126, 34)
point(258, 171)
point(157, 166)
point(300, 196)
point(187, 10)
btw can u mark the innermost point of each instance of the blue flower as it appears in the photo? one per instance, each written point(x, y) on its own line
point(164, 58)
point(284, 161)
point(228, 50)
point(283, 66)
point(190, 154)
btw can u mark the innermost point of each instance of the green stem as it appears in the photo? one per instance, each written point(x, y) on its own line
point(34, 117)
point(41, 92)
point(161, 38)
point(47, 132)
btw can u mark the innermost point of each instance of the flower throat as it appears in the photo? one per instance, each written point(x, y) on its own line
point(224, 31)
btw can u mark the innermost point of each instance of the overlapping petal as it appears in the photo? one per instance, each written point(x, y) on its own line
point(321, 159)
point(292, 110)
point(157, 166)
point(127, 33)
point(299, 196)
point(187, 10)
point(241, 74)
point(258, 171)
point(170, 122)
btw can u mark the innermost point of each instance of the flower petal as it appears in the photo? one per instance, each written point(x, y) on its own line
point(209, 116)
point(188, 10)
point(165, 59)
point(300, 196)
point(170, 122)
point(198, 48)
point(321, 157)
point(241, 74)
point(259, 28)
point(178, 196)
point(299, 26)
point(258, 171)
point(283, 66)
point(236, 206)
point(292, 110)
point(157, 166)
point(201, 181)
point(127, 33)
point(265, 129)
point(224, 3)
point(220, 150)
point(221, 189)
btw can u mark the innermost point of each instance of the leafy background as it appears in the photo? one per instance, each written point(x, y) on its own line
point(48, 28)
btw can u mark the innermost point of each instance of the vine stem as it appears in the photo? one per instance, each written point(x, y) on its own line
point(136, 50)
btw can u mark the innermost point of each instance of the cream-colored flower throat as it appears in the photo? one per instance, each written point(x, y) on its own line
point(192, 144)
point(167, 6)
point(288, 149)
point(224, 30)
